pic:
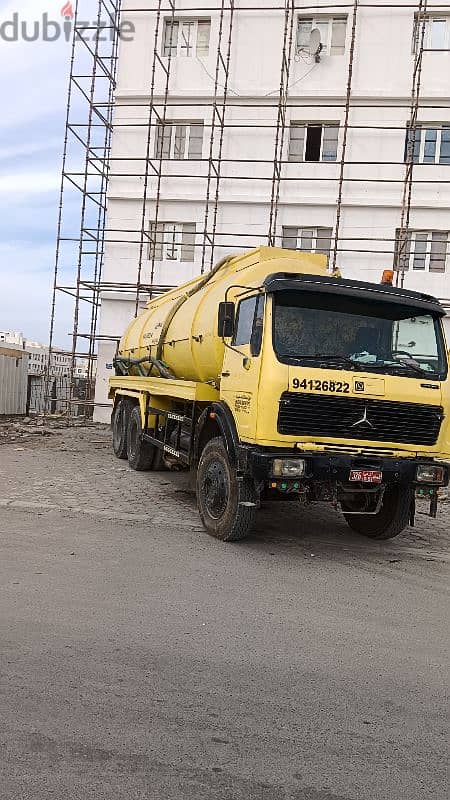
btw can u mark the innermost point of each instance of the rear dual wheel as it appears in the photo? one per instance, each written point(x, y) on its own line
point(119, 429)
point(141, 454)
point(127, 437)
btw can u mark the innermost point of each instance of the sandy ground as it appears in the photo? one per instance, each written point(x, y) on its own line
point(142, 659)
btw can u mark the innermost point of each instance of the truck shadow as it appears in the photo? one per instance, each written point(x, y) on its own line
point(320, 529)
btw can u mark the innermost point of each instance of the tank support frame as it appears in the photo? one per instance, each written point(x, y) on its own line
point(160, 436)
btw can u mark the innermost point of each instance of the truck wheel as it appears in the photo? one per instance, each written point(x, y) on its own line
point(119, 429)
point(221, 503)
point(140, 454)
point(392, 519)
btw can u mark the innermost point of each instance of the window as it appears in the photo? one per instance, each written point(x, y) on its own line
point(436, 33)
point(428, 144)
point(313, 141)
point(305, 326)
point(425, 251)
point(332, 34)
point(186, 37)
point(309, 240)
point(249, 323)
point(172, 241)
point(417, 336)
point(244, 324)
point(179, 140)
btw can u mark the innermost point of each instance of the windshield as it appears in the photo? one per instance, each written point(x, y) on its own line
point(341, 331)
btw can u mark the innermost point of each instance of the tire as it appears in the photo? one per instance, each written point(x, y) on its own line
point(141, 454)
point(119, 424)
point(159, 465)
point(221, 498)
point(393, 517)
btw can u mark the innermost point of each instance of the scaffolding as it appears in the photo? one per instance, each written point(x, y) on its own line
point(85, 230)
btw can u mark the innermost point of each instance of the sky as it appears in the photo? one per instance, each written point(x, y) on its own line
point(33, 92)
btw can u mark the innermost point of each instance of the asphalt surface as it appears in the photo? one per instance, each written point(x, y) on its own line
point(142, 659)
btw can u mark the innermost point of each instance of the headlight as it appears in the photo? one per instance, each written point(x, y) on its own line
point(429, 473)
point(289, 467)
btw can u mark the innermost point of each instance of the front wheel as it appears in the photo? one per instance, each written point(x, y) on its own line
point(392, 518)
point(227, 505)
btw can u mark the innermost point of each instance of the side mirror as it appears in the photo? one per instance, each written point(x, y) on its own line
point(226, 319)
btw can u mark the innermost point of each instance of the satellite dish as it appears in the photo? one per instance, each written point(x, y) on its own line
point(315, 45)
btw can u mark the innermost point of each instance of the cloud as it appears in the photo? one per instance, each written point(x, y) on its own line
point(28, 149)
point(30, 183)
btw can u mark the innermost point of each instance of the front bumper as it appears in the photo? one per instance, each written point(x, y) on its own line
point(336, 467)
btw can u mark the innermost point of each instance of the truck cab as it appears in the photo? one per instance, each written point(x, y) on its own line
point(348, 382)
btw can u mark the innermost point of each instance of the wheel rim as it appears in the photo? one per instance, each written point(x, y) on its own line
point(215, 489)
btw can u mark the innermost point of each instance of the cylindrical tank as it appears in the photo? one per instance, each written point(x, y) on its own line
point(180, 327)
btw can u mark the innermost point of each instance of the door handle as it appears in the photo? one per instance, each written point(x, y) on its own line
point(225, 374)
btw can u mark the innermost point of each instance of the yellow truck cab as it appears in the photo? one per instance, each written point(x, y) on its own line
point(272, 379)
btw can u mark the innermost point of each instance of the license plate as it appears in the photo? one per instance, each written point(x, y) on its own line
point(366, 475)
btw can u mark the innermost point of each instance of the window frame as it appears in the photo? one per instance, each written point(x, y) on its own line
point(305, 125)
point(418, 139)
point(316, 21)
point(428, 35)
point(255, 344)
point(181, 22)
point(414, 255)
point(315, 238)
point(184, 230)
point(171, 126)
point(245, 300)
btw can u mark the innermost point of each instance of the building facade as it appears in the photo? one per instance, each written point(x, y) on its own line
point(207, 159)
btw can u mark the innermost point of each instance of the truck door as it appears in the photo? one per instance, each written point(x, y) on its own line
point(241, 365)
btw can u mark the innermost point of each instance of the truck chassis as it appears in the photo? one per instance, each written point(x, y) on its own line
point(197, 431)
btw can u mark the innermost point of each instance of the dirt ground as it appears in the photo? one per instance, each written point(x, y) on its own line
point(142, 659)
point(51, 466)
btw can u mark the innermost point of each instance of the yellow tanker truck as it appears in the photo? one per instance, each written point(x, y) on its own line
point(271, 379)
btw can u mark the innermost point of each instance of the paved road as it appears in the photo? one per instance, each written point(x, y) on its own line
point(142, 659)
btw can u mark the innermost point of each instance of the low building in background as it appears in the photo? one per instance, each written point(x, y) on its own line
point(34, 358)
point(11, 337)
point(13, 379)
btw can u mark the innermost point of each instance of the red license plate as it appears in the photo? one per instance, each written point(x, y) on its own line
point(366, 475)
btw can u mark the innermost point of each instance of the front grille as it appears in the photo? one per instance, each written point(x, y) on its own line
point(384, 421)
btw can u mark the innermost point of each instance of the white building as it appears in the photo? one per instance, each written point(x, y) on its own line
point(82, 368)
point(11, 337)
point(38, 355)
point(374, 170)
point(61, 364)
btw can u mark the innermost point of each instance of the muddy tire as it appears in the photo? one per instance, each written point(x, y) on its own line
point(227, 506)
point(119, 424)
point(141, 455)
point(392, 519)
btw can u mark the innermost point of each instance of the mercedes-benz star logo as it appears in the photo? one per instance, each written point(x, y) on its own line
point(363, 421)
